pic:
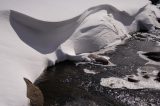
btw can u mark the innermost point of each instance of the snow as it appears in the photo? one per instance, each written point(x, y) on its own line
point(33, 31)
point(142, 83)
point(89, 71)
point(17, 61)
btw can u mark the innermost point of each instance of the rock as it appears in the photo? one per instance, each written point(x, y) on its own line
point(153, 56)
point(102, 60)
point(34, 94)
point(141, 37)
point(157, 79)
point(158, 74)
point(143, 72)
point(146, 77)
point(154, 1)
point(132, 80)
point(93, 56)
point(99, 59)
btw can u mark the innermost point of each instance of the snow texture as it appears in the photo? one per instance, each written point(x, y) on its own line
point(35, 31)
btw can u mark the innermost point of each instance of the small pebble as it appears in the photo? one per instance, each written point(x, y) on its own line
point(111, 84)
point(158, 74)
point(102, 60)
point(157, 79)
point(132, 80)
point(146, 77)
point(143, 72)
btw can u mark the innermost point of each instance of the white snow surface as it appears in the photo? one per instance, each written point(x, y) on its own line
point(142, 83)
point(89, 71)
point(33, 31)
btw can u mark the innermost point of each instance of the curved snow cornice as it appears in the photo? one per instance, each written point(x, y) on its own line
point(31, 32)
point(58, 10)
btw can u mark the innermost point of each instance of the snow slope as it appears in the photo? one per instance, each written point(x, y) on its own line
point(17, 61)
point(33, 31)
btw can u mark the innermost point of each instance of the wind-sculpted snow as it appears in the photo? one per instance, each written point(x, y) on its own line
point(94, 29)
point(26, 42)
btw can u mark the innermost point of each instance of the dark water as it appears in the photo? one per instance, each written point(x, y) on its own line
point(66, 84)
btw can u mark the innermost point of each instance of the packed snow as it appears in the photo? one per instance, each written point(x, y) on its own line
point(89, 71)
point(35, 31)
point(145, 78)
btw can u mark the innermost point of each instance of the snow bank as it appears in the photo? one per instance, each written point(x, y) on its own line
point(17, 61)
point(34, 31)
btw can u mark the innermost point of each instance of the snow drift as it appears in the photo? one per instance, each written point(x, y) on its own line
point(28, 41)
point(94, 29)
